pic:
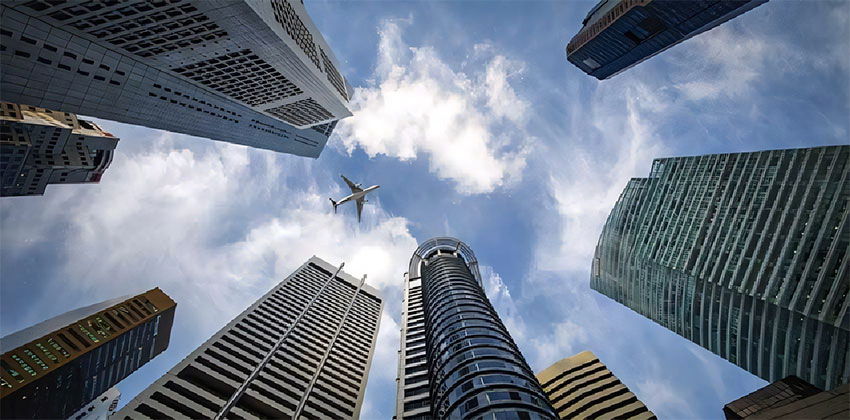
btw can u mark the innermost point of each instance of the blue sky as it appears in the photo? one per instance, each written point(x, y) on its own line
point(471, 120)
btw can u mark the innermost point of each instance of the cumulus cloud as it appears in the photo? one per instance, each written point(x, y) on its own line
point(470, 126)
point(188, 220)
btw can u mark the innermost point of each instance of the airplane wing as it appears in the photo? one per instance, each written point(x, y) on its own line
point(359, 208)
point(353, 186)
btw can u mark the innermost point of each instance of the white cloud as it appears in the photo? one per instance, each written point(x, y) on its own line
point(217, 225)
point(615, 142)
point(723, 63)
point(470, 126)
point(500, 297)
point(662, 396)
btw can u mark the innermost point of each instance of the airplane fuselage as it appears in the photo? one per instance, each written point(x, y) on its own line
point(358, 195)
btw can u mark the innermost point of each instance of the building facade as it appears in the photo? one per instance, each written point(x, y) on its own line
point(301, 351)
point(618, 34)
point(745, 254)
point(39, 147)
point(56, 367)
point(256, 73)
point(791, 398)
point(777, 394)
point(100, 408)
point(582, 387)
point(457, 360)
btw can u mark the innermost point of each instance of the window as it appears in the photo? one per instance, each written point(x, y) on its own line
point(645, 29)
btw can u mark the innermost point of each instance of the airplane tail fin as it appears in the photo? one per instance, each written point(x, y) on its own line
point(334, 204)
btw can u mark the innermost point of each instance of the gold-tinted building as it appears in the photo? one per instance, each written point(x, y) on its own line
point(54, 368)
point(39, 146)
point(582, 387)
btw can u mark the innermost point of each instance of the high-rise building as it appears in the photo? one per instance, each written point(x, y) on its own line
point(745, 254)
point(581, 387)
point(256, 73)
point(301, 351)
point(39, 147)
point(100, 408)
point(56, 367)
point(791, 398)
point(457, 360)
point(617, 34)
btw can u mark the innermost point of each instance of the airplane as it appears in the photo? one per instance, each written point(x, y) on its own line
point(358, 194)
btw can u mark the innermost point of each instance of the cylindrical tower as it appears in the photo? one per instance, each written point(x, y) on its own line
point(474, 369)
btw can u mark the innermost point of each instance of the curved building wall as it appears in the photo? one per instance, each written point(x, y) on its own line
point(458, 360)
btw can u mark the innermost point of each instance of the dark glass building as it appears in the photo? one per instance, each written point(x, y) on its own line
point(777, 394)
point(791, 398)
point(457, 360)
point(302, 351)
point(745, 254)
point(56, 367)
point(617, 34)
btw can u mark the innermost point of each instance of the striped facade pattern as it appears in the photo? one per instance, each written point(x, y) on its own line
point(582, 387)
point(745, 254)
point(56, 374)
point(457, 359)
point(301, 351)
point(624, 33)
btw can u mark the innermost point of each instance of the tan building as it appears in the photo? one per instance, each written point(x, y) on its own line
point(582, 387)
point(39, 146)
point(54, 368)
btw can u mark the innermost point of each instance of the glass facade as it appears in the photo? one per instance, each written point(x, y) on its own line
point(744, 254)
point(618, 34)
point(56, 374)
point(458, 361)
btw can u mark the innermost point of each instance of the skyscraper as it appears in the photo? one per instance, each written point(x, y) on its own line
point(617, 34)
point(56, 367)
point(745, 254)
point(582, 387)
point(301, 351)
point(457, 360)
point(256, 73)
point(101, 408)
point(39, 147)
point(780, 393)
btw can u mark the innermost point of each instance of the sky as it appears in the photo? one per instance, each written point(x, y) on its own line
point(474, 124)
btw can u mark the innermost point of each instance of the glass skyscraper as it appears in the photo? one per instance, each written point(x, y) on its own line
point(457, 360)
point(618, 34)
point(745, 254)
point(54, 368)
point(302, 351)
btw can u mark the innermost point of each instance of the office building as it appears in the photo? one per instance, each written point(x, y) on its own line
point(745, 254)
point(256, 73)
point(56, 367)
point(101, 408)
point(457, 360)
point(39, 147)
point(791, 398)
point(617, 34)
point(582, 387)
point(301, 351)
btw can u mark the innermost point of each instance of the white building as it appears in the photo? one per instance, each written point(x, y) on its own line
point(256, 73)
point(101, 408)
